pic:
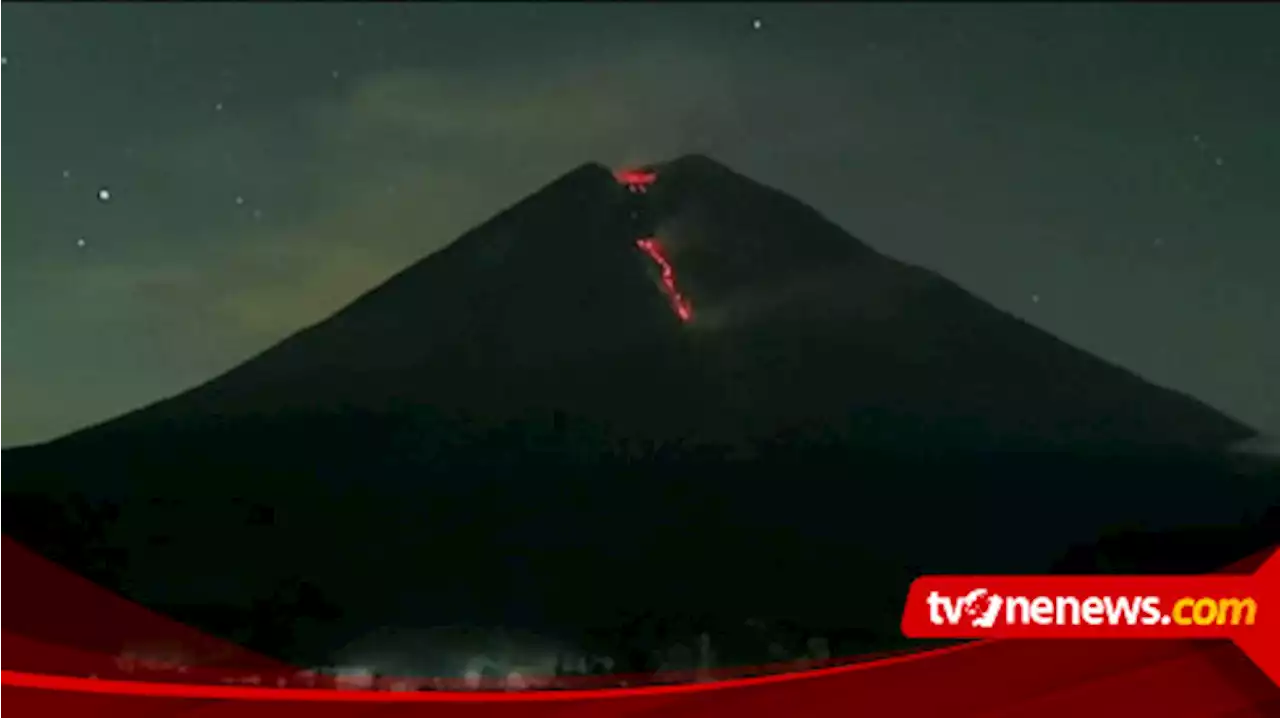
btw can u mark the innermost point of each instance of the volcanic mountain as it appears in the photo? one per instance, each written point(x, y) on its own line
point(551, 307)
point(674, 390)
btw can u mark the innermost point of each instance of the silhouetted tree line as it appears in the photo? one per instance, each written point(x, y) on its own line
point(71, 531)
point(646, 643)
point(269, 625)
point(1200, 549)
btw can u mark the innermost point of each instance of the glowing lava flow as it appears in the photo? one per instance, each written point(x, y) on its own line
point(681, 305)
point(638, 181)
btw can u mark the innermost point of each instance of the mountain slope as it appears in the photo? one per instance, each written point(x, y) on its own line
point(822, 323)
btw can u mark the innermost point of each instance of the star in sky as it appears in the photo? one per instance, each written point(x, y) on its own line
point(757, 24)
point(104, 195)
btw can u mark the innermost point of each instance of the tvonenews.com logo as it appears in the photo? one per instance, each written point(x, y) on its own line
point(980, 608)
point(1234, 606)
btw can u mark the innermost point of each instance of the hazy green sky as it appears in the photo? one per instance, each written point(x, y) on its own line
point(1108, 172)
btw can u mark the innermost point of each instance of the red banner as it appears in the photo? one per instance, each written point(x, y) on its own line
point(74, 649)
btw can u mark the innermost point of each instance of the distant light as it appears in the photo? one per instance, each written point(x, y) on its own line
point(240, 201)
point(81, 243)
point(757, 24)
point(104, 195)
point(1035, 298)
point(472, 679)
point(218, 107)
point(353, 677)
point(66, 174)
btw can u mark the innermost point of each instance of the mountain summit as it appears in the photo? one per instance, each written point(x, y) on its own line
point(663, 389)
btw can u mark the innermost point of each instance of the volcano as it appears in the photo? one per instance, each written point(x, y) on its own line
point(668, 392)
point(572, 303)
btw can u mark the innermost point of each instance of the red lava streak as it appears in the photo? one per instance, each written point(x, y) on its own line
point(681, 305)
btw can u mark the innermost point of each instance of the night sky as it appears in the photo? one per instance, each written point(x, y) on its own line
point(1109, 173)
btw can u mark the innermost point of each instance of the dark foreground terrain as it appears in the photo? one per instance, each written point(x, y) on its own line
point(519, 432)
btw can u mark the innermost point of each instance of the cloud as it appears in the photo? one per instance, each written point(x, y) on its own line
point(1261, 446)
point(644, 104)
